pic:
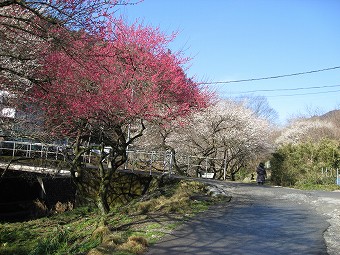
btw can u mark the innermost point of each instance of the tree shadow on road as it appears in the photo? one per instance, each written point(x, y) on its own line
point(248, 226)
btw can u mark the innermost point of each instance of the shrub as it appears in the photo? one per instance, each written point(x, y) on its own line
point(301, 163)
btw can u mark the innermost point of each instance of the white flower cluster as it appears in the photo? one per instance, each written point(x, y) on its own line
point(304, 129)
point(226, 130)
point(20, 47)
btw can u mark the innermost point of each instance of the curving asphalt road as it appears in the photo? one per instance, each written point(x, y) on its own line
point(258, 220)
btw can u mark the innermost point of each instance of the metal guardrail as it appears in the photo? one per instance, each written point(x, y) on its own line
point(30, 150)
point(160, 161)
point(205, 167)
point(149, 161)
point(137, 159)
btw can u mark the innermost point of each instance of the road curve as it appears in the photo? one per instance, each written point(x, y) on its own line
point(258, 220)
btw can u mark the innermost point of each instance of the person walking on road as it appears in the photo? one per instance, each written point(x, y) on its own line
point(261, 174)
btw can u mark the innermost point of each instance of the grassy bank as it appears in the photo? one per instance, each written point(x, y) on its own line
point(129, 229)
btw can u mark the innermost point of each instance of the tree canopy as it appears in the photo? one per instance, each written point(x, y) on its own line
point(106, 83)
point(80, 73)
point(28, 27)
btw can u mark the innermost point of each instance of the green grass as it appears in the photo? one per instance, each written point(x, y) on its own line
point(65, 233)
point(317, 183)
point(312, 186)
point(78, 232)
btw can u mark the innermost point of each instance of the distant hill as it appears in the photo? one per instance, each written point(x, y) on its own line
point(332, 116)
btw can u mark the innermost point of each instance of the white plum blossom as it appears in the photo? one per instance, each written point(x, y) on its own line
point(304, 129)
point(226, 130)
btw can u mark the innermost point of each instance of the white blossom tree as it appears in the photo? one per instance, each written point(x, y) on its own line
point(226, 135)
point(302, 130)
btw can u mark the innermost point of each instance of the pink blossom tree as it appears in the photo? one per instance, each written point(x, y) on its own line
point(106, 82)
point(28, 29)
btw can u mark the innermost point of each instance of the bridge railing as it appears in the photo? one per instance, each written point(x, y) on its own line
point(149, 161)
point(137, 159)
point(205, 167)
point(32, 150)
point(160, 161)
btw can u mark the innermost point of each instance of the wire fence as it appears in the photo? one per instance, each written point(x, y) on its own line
point(332, 173)
point(329, 172)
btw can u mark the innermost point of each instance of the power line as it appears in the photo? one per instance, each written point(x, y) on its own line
point(292, 89)
point(304, 94)
point(270, 77)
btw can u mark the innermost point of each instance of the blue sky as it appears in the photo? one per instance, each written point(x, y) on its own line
point(242, 39)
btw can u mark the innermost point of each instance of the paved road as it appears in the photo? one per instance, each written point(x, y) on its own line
point(258, 220)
